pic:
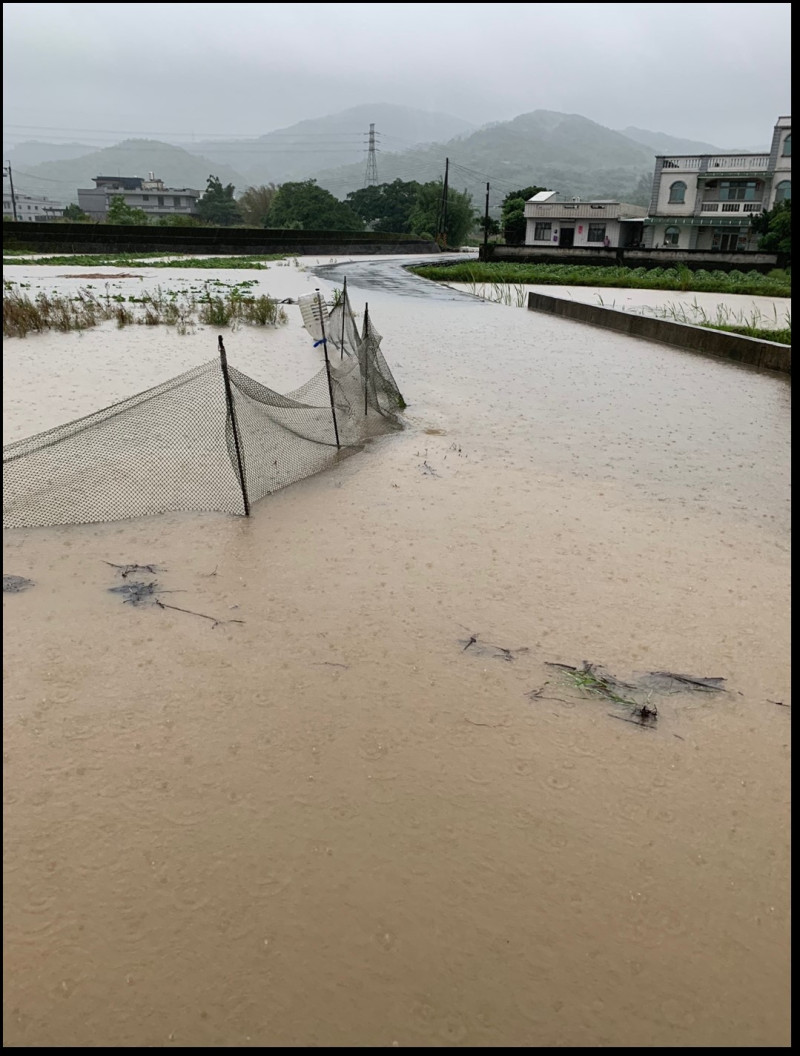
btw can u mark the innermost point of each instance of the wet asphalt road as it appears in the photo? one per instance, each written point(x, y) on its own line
point(392, 276)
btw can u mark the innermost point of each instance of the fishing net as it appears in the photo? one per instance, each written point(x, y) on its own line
point(185, 446)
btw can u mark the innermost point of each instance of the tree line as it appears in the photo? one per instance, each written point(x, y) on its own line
point(399, 207)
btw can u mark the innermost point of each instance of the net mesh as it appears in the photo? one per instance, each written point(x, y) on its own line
point(179, 445)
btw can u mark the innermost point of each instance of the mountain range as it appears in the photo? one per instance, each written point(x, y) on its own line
point(565, 152)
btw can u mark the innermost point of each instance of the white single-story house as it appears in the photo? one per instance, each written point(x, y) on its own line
point(553, 220)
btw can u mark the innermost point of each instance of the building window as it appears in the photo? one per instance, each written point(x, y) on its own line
point(729, 240)
point(783, 192)
point(161, 200)
point(542, 232)
point(787, 146)
point(176, 201)
point(671, 236)
point(738, 190)
point(597, 233)
point(677, 193)
point(145, 197)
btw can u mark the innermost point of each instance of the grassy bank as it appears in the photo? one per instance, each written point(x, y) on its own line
point(148, 260)
point(755, 323)
point(783, 337)
point(776, 284)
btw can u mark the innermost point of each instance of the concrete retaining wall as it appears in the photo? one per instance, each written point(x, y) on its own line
point(212, 241)
point(757, 353)
point(633, 258)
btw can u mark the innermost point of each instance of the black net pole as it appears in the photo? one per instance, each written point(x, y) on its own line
point(486, 224)
point(328, 367)
point(344, 309)
point(223, 359)
point(366, 355)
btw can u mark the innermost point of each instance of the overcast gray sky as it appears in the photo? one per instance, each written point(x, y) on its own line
point(715, 72)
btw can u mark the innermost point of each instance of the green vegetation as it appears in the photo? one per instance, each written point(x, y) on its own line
point(775, 228)
point(120, 213)
point(387, 207)
point(587, 679)
point(409, 207)
point(179, 220)
point(304, 206)
point(74, 213)
point(783, 337)
point(749, 324)
point(513, 220)
point(459, 222)
point(776, 284)
point(226, 305)
point(150, 260)
point(217, 206)
point(255, 204)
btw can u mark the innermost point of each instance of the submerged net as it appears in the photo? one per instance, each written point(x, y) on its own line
point(180, 445)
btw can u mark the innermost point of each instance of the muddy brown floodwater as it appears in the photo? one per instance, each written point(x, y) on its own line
point(332, 823)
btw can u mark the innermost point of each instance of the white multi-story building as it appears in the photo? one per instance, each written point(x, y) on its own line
point(149, 195)
point(707, 201)
point(31, 207)
point(564, 223)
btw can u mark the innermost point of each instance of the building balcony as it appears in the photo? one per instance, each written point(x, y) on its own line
point(719, 163)
point(731, 207)
point(742, 163)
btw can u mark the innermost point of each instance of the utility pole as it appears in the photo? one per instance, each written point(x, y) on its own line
point(371, 175)
point(11, 182)
point(441, 234)
point(486, 224)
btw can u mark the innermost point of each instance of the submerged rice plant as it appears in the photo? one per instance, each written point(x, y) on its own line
point(228, 306)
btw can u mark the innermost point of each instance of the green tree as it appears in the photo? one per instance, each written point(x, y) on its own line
point(180, 220)
point(640, 195)
point(255, 204)
point(489, 225)
point(305, 206)
point(217, 205)
point(386, 207)
point(775, 228)
point(512, 217)
point(120, 213)
point(75, 213)
point(425, 217)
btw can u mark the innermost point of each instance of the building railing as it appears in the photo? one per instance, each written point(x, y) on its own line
point(684, 164)
point(732, 207)
point(742, 163)
point(724, 162)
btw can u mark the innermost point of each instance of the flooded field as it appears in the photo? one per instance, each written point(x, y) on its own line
point(371, 812)
point(690, 306)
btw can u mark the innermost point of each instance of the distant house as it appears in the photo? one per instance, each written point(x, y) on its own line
point(707, 201)
point(564, 223)
point(150, 195)
point(32, 208)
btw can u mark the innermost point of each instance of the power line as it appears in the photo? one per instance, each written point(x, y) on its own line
point(65, 133)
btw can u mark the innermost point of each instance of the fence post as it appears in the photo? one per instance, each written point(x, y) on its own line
point(344, 309)
point(223, 359)
point(366, 354)
point(328, 368)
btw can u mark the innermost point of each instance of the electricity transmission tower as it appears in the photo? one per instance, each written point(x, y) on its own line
point(371, 175)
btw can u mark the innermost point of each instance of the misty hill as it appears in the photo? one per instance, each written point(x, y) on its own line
point(24, 155)
point(133, 157)
point(662, 143)
point(565, 152)
point(304, 149)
